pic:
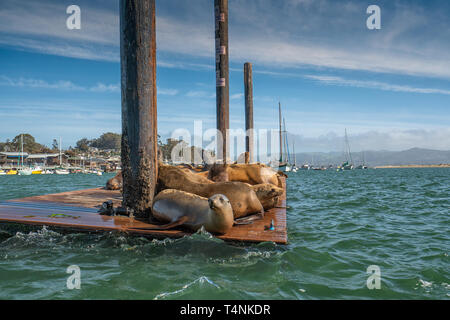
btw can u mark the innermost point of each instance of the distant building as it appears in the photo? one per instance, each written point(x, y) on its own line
point(46, 159)
point(12, 158)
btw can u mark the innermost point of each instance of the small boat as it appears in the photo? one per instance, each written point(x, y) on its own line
point(305, 167)
point(2, 173)
point(62, 171)
point(11, 172)
point(25, 172)
point(36, 170)
point(347, 165)
point(363, 165)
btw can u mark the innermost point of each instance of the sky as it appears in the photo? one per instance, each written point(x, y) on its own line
point(390, 88)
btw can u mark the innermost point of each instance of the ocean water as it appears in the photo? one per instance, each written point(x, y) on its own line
point(339, 224)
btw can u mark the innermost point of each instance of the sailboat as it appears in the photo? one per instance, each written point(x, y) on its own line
point(282, 161)
point(347, 165)
point(363, 165)
point(61, 170)
point(23, 171)
point(294, 167)
point(288, 167)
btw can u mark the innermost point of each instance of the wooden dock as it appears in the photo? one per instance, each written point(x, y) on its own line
point(77, 211)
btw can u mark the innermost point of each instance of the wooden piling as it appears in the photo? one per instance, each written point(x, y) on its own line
point(222, 77)
point(248, 86)
point(139, 125)
point(281, 139)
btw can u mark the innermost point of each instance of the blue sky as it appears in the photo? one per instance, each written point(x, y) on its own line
point(390, 88)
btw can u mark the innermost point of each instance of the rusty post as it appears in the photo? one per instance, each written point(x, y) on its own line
point(222, 77)
point(248, 86)
point(139, 126)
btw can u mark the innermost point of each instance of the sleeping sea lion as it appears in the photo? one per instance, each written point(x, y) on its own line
point(115, 183)
point(218, 173)
point(267, 194)
point(248, 173)
point(242, 197)
point(179, 208)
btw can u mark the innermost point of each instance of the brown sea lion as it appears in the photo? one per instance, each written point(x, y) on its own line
point(218, 173)
point(267, 194)
point(115, 183)
point(197, 177)
point(248, 173)
point(179, 208)
point(242, 197)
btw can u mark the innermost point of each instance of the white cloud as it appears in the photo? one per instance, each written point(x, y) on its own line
point(58, 85)
point(167, 92)
point(237, 96)
point(268, 33)
point(100, 87)
point(390, 140)
point(332, 80)
point(200, 94)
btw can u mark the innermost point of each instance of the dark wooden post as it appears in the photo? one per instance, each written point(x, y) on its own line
point(139, 126)
point(248, 85)
point(281, 139)
point(222, 77)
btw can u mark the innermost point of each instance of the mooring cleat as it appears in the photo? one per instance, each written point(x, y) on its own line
point(107, 208)
point(271, 227)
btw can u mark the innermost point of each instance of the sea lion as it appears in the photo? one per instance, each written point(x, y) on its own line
point(218, 173)
point(267, 194)
point(179, 208)
point(248, 173)
point(115, 183)
point(242, 197)
point(197, 177)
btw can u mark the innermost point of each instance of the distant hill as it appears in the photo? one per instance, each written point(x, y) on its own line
point(378, 158)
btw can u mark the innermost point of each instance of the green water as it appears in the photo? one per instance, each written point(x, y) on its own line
point(339, 223)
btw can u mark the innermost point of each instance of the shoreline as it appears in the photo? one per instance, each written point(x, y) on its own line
point(414, 166)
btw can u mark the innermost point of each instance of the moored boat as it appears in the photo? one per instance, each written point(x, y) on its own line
point(62, 171)
point(25, 172)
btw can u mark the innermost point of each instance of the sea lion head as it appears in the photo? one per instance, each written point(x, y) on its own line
point(115, 183)
point(222, 219)
point(267, 190)
point(218, 172)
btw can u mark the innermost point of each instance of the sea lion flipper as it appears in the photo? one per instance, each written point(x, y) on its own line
point(171, 225)
point(250, 219)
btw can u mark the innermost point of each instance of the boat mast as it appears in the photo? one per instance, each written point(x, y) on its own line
point(60, 157)
point(286, 143)
point(21, 154)
point(295, 156)
point(349, 155)
point(281, 138)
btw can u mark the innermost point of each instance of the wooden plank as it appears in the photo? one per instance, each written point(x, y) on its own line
point(77, 210)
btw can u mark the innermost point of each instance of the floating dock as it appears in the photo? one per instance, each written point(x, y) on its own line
point(77, 211)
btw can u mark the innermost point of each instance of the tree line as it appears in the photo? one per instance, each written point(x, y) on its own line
point(106, 142)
